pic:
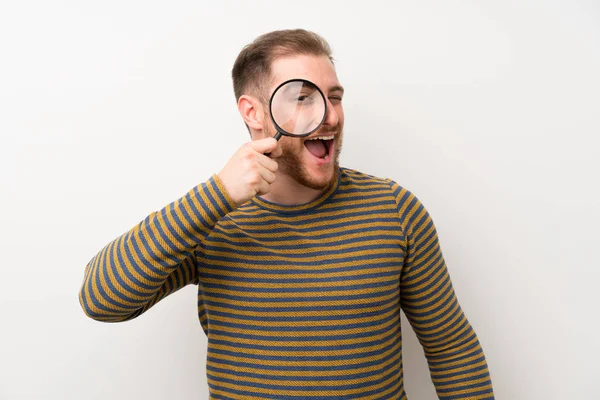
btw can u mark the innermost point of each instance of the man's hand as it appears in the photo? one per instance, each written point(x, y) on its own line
point(249, 172)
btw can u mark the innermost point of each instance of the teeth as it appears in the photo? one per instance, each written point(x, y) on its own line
point(322, 138)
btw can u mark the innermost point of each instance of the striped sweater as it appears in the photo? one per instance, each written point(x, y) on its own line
point(299, 302)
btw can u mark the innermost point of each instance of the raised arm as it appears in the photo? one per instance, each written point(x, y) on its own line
point(157, 256)
point(455, 357)
point(153, 259)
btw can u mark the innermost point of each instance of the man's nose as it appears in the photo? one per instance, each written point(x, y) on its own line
point(331, 118)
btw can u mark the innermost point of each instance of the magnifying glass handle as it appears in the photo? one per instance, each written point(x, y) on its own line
point(276, 137)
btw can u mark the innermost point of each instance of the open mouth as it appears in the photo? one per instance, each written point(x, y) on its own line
point(320, 146)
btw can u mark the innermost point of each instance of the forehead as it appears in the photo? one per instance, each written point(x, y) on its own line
point(317, 69)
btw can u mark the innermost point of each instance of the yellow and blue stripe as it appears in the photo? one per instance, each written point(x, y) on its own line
point(299, 302)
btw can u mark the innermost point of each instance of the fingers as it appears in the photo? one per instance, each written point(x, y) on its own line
point(264, 188)
point(250, 171)
point(277, 152)
point(267, 175)
point(266, 145)
point(267, 162)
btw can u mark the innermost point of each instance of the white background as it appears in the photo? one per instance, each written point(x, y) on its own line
point(487, 110)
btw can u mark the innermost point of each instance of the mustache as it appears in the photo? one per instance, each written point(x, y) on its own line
point(332, 130)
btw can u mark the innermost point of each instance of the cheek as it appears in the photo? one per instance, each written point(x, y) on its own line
point(290, 144)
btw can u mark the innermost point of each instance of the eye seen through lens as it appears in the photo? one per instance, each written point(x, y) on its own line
point(298, 107)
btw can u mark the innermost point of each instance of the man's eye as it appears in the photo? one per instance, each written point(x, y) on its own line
point(303, 98)
point(335, 98)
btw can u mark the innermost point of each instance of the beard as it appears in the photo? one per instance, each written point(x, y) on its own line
point(291, 164)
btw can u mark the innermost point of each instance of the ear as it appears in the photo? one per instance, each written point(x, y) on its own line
point(251, 111)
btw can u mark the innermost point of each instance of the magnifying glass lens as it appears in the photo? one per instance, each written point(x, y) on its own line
point(298, 108)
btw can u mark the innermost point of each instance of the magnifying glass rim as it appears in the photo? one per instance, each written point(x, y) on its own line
point(284, 132)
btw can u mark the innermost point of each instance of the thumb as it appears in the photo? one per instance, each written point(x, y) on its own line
point(266, 145)
point(277, 152)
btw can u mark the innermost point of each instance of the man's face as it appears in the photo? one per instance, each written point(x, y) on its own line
point(298, 161)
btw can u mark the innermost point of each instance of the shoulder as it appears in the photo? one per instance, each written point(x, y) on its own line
point(365, 187)
point(358, 178)
point(407, 204)
point(353, 177)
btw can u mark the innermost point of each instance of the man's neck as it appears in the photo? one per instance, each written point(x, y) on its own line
point(287, 191)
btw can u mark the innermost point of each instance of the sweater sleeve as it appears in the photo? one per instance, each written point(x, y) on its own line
point(154, 258)
point(456, 361)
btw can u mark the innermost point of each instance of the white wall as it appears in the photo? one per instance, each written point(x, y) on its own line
point(486, 110)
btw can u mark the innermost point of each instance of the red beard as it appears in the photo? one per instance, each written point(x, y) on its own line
point(291, 164)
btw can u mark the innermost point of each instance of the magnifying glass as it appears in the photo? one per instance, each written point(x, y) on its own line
point(298, 108)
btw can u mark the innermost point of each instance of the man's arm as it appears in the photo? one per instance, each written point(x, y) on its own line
point(455, 357)
point(153, 259)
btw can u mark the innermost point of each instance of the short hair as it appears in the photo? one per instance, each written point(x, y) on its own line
point(252, 67)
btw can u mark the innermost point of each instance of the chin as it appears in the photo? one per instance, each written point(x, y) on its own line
point(308, 170)
point(319, 175)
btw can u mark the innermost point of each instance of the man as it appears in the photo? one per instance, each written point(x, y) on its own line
point(302, 266)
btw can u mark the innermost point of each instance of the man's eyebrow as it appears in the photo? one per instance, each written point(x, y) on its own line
point(336, 88)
